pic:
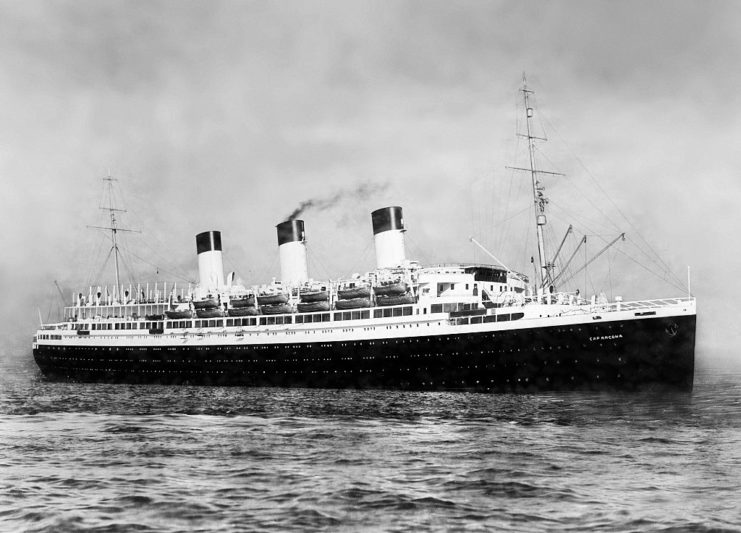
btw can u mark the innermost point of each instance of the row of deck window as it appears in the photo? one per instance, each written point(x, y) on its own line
point(447, 308)
point(246, 321)
point(505, 317)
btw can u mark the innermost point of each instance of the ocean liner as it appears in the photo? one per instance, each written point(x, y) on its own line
point(474, 327)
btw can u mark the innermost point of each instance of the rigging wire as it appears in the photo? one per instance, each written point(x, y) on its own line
point(99, 276)
point(652, 257)
point(315, 259)
point(666, 267)
point(660, 267)
point(179, 276)
point(160, 250)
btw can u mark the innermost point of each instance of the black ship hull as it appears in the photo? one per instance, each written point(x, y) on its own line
point(647, 354)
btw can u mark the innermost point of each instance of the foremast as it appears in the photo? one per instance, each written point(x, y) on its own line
point(114, 229)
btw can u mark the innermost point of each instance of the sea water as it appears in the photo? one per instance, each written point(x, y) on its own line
point(100, 457)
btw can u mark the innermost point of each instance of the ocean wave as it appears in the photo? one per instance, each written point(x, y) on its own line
point(167, 459)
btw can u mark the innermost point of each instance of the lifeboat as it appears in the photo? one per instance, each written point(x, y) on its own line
point(394, 288)
point(273, 298)
point(242, 311)
point(206, 303)
point(179, 313)
point(314, 296)
point(242, 301)
point(352, 303)
point(311, 307)
point(354, 292)
point(397, 299)
point(214, 312)
point(275, 309)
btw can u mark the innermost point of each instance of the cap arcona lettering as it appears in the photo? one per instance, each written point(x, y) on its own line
point(606, 337)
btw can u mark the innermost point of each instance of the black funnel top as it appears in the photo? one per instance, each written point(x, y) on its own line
point(290, 231)
point(387, 218)
point(208, 241)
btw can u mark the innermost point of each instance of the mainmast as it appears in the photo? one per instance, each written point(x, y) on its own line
point(546, 267)
point(538, 196)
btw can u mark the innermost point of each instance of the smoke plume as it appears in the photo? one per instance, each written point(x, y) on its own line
point(361, 192)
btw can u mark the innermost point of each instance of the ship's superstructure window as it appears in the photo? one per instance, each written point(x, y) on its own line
point(505, 317)
point(275, 320)
point(447, 308)
point(241, 322)
point(351, 315)
point(487, 273)
point(407, 310)
point(309, 318)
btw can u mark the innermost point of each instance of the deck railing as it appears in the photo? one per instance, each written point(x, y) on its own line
point(637, 305)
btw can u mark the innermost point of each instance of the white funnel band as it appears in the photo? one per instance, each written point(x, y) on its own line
point(293, 262)
point(211, 270)
point(389, 249)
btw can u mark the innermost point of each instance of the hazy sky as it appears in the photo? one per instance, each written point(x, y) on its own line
point(228, 114)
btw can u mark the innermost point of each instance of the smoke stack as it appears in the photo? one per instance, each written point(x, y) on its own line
point(388, 234)
point(292, 249)
point(210, 264)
